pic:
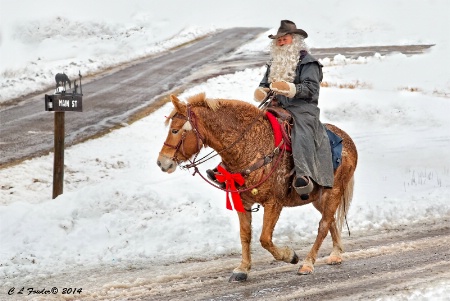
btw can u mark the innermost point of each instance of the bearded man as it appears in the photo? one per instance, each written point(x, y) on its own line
point(294, 76)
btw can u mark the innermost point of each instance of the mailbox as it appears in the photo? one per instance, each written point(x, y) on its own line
point(62, 102)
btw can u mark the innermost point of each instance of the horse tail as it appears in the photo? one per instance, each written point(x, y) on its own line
point(346, 199)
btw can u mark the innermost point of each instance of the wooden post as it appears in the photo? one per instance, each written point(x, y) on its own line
point(60, 102)
point(58, 161)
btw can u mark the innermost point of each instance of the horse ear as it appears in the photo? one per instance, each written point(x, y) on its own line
point(179, 106)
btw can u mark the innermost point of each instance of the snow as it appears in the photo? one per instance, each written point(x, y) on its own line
point(118, 206)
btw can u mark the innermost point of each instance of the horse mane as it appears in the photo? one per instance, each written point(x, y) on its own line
point(200, 100)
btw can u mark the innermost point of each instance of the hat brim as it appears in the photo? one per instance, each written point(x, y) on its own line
point(297, 31)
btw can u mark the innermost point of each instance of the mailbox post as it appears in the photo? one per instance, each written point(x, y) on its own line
point(61, 102)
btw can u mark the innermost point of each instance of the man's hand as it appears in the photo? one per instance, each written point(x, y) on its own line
point(260, 94)
point(284, 88)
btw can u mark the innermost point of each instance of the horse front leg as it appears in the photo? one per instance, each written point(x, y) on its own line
point(245, 224)
point(271, 215)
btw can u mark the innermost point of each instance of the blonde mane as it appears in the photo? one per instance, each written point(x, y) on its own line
point(200, 100)
point(197, 100)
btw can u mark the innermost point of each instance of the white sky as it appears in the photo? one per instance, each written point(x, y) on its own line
point(117, 202)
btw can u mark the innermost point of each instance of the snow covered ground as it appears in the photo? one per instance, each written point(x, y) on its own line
point(119, 207)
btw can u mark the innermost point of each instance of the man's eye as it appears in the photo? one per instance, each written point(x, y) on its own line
point(174, 131)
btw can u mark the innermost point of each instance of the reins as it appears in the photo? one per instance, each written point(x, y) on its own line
point(274, 167)
point(195, 162)
point(191, 118)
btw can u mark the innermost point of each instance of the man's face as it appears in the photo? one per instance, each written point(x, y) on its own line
point(284, 40)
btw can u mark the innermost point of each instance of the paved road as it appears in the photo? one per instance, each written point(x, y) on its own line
point(138, 88)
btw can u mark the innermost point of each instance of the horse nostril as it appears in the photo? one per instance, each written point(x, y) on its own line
point(170, 166)
point(159, 163)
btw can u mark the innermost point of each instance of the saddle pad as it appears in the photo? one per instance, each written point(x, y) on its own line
point(336, 148)
point(278, 136)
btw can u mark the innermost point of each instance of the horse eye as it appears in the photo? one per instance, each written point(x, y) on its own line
point(174, 131)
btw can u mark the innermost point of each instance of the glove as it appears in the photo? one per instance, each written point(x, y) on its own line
point(260, 94)
point(284, 88)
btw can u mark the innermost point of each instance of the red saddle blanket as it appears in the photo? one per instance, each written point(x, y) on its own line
point(278, 132)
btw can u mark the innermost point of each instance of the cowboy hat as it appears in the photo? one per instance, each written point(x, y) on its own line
point(287, 27)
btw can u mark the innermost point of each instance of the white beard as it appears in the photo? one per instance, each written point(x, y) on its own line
point(284, 59)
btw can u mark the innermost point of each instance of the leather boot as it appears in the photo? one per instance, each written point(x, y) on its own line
point(211, 174)
point(303, 185)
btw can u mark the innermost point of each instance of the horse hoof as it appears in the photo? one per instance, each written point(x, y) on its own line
point(238, 277)
point(305, 270)
point(334, 260)
point(294, 259)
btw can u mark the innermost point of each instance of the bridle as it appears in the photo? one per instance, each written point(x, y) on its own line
point(191, 124)
point(191, 119)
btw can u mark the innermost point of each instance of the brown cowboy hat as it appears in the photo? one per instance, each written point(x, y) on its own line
point(287, 27)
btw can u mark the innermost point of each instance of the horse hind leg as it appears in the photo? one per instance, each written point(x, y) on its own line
point(308, 263)
point(327, 206)
point(334, 204)
point(336, 227)
point(336, 254)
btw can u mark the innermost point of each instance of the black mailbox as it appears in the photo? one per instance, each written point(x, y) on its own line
point(64, 102)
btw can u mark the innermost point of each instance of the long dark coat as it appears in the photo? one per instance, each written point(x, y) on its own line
point(310, 144)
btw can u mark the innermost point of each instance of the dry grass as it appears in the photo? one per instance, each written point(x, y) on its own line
point(410, 89)
point(355, 85)
point(441, 94)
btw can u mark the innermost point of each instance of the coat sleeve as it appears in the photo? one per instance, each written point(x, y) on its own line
point(310, 77)
point(265, 81)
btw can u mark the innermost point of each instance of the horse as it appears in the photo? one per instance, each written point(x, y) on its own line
point(241, 134)
point(62, 78)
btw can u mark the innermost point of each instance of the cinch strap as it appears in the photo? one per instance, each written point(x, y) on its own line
point(230, 180)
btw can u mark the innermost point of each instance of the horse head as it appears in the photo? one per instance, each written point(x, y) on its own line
point(183, 139)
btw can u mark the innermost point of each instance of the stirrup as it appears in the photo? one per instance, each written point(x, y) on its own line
point(211, 174)
point(306, 189)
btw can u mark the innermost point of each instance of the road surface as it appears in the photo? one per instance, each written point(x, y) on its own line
point(377, 265)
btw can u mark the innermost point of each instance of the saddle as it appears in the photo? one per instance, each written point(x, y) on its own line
point(281, 114)
point(284, 120)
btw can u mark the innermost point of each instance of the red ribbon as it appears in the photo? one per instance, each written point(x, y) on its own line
point(230, 180)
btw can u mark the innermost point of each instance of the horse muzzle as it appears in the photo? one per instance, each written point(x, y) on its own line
point(166, 164)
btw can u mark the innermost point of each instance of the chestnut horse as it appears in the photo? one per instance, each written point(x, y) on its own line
point(241, 134)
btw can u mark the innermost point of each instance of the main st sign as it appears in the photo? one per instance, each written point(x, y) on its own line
point(64, 102)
